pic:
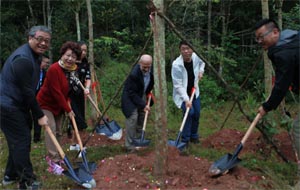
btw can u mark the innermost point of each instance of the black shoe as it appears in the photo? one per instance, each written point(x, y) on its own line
point(69, 131)
point(8, 180)
point(33, 186)
point(195, 141)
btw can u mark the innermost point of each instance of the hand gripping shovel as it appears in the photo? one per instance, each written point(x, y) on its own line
point(112, 130)
point(78, 175)
point(231, 160)
point(89, 167)
point(142, 141)
point(177, 143)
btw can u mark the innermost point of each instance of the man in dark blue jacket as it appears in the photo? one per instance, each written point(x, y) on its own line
point(18, 81)
point(139, 84)
point(283, 51)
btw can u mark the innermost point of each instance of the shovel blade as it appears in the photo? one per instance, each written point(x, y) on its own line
point(110, 129)
point(88, 167)
point(78, 175)
point(92, 166)
point(141, 142)
point(224, 164)
point(179, 145)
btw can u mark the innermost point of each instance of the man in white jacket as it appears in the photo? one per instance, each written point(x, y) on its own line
point(187, 71)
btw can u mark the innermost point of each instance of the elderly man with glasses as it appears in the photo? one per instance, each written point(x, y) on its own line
point(283, 51)
point(18, 80)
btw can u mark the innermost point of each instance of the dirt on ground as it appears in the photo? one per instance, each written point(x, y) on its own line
point(135, 171)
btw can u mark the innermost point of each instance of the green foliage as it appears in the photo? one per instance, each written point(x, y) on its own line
point(111, 76)
point(210, 92)
point(291, 19)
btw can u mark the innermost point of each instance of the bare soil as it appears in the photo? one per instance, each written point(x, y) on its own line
point(135, 171)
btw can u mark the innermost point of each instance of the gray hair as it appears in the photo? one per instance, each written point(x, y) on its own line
point(34, 29)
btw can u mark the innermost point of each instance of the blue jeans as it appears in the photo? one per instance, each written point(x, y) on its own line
point(190, 129)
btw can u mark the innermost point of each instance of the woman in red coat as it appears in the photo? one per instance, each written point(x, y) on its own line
point(54, 94)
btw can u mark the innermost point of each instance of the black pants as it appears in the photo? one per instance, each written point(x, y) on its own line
point(77, 103)
point(15, 125)
point(37, 129)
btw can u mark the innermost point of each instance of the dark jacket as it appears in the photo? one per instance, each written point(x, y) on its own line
point(285, 58)
point(18, 81)
point(133, 91)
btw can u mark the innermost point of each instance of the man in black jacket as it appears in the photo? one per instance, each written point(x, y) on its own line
point(283, 51)
point(139, 84)
point(18, 81)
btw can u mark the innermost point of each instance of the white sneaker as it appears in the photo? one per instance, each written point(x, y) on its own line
point(75, 147)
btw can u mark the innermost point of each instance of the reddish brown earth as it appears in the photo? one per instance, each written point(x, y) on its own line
point(135, 171)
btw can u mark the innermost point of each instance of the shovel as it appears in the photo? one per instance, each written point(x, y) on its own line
point(112, 130)
point(78, 175)
point(229, 161)
point(89, 167)
point(142, 141)
point(177, 143)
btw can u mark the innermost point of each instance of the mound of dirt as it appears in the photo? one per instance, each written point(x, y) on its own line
point(135, 171)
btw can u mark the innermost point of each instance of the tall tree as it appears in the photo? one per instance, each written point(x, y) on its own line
point(91, 46)
point(160, 88)
point(267, 63)
point(209, 24)
point(75, 6)
point(279, 4)
point(49, 17)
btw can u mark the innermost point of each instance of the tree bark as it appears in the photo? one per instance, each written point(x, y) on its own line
point(279, 12)
point(77, 25)
point(49, 17)
point(267, 64)
point(91, 50)
point(160, 88)
point(33, 20)
point(279, 4)
point(209, 25)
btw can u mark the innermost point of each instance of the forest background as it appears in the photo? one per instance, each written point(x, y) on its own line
point(220, 30)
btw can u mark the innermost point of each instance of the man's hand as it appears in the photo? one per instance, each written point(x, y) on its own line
point(188, 104)
point(200, 76)
point(261, 111)
point(147, 108)
point(43, 121)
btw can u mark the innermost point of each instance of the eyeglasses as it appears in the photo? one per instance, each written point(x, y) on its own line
point(41, 39)
point(261, 37)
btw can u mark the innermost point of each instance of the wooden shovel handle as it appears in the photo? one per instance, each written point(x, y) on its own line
point(147, 113)
point(77, 133)
point(187, 110)
point(91, 100)
point(54, 140)
point(250, 129)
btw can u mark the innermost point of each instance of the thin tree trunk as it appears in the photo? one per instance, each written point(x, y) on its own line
point(33, 20)
point(279, 9)
point(44, 12)
point(160, 88)
point(267, 64)
point(279, 4)
point(77, 25)
point(209, 26)
point(91, 49)
point(49, 17)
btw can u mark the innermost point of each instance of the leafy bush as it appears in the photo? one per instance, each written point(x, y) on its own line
point(210, 92)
